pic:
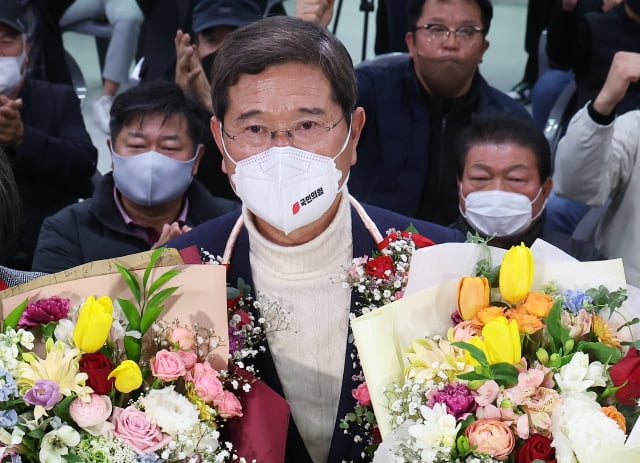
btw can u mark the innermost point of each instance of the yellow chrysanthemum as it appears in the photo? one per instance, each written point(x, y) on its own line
point(602, 330)
point(438, 361)
point(58, 365)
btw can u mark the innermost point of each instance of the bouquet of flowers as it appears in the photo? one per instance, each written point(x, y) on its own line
point(113, 382)
point(518, 375)
point(376, 281)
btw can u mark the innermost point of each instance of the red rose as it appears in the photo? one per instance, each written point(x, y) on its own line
point(97, 366)
point(627, 370)
point(380, 267)
point(537, 447)
point(419, 240)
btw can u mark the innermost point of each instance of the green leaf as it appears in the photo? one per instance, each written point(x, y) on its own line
point(48, 329)
point(605, 354)
point(131, 281)
point(61, 409)
point(152, 263)
point(635, 344)
point(36, 433)
point(158, 299)
point(162, 280)
point(131, 312)
point(629, 323)
point(472, 376)
point(71, 458)
point(411, 229)
point(475, 352)
point(558, 333)
point(150, 315)
point(504, 374)
point(132, 348)
point(13, 318)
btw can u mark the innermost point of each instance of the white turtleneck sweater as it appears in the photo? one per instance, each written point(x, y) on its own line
point(309, 354)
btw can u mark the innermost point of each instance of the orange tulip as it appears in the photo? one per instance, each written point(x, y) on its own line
point(473, 295)
point(486, 314)
point(527, 323)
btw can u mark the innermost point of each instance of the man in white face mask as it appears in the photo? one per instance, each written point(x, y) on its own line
point(284, 95)
point(504, 180)
point(43, 134)
point(150, 197)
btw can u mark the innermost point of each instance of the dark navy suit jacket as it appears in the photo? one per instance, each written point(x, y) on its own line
point(212, 236)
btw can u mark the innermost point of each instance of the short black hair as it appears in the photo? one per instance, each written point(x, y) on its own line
point(152, 98)
point(282, 40)
point(500, 128)
point(414, 11)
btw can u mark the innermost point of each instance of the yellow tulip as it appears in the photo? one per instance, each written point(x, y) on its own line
point(473, 295)
point(128, 376)
point(94, 323)
point(500, 341)
point(516, 274)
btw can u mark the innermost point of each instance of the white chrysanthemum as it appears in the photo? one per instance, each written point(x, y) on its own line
point(438, 430)
point(579, 428)
point(171, 411)
point(579, 375)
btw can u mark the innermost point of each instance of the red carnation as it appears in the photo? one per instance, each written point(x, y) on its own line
point(97, 366)
point(419, 240)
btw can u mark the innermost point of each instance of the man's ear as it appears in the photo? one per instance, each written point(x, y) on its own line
point(547, 188)
point(109, 146)
point(485, 47)
point(358, 119)
point(216, 131)
point(410, 40)
point(199, 156)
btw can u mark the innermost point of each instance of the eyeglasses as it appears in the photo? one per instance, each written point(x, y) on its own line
point(440, 32)
point(304, 134)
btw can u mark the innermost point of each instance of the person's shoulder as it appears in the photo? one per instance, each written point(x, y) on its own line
point(43, 86)
point(580, 249)
point(209, 234)
point(388, 66)
point(207, 203)
point(386, 219)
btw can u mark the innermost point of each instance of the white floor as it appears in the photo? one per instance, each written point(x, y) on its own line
point(503, 63)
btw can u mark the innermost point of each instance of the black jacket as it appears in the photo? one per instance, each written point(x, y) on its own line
point(94, 229)
point(53, 165)
point(399, 154)
point(212, 236)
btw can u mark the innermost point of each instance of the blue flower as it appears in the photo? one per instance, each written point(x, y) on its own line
point(8, 418)
point(574, 300)
point(8, 386)
point(149, 458)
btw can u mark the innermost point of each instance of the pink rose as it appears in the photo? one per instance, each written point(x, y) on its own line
point(92, 415)
point(188, 357)
point(206, 383)
point(228, 405)
point(184, 338)
point(463, 331)
point(361, 394)
point(132, 426)
point(492, 437)
point(167, 366)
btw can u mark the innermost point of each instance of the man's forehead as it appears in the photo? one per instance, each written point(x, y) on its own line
point(459, 7)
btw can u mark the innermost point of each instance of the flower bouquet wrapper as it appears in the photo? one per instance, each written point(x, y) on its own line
point(430, 299)
point(201, 297)
point(261, 432)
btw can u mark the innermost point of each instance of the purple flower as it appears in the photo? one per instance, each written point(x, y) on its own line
point(575, 300)
point(45, 393)
point(236, 340)
point(44, 311)
point(457, 397)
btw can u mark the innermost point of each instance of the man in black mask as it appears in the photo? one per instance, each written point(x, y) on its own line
point(416, 103)
point(213, 20)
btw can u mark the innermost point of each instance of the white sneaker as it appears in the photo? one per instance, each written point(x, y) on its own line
point(101, 109)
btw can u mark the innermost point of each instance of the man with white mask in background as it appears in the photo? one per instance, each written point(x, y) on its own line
point(43, 134)
point(149, 197)
point(504, 180)
point(284, 94)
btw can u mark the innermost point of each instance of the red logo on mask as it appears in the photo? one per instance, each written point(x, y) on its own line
point(295, 208)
